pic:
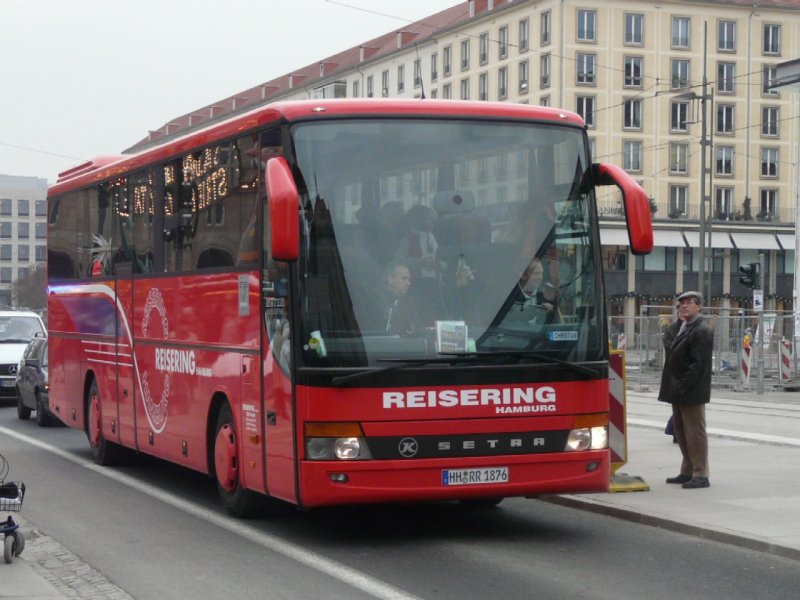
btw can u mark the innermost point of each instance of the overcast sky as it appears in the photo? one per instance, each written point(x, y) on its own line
point(81, 78)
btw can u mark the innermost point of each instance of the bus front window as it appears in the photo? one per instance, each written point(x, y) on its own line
point(423, 238)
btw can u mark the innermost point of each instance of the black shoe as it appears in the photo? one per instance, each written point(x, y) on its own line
point(679, 479)
point(695, 483)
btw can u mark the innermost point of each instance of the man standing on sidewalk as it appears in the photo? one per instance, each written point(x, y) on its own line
point(686, 384)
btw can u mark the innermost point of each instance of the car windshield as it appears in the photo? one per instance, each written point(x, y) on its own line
point(423, 238)
point(19, 330)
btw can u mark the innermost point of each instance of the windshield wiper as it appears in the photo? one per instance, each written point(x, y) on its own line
point(580, 368)
point(450, 358)
point(403, 363)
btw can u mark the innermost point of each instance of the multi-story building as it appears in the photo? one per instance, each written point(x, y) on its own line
point(23, 231)
point(676, 92)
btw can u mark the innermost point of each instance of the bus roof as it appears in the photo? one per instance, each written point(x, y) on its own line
point(106, 167)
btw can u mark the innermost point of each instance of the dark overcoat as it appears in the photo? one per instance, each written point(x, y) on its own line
point(686, 378)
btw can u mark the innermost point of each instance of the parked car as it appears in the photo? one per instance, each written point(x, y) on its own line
point(32, 383)
point(17, 328)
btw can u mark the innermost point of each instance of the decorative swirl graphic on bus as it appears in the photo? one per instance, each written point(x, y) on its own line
point(156, 409)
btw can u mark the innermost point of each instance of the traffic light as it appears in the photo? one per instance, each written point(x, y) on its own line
point(751, 275)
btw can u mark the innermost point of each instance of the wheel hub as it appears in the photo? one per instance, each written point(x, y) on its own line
point(226, 460)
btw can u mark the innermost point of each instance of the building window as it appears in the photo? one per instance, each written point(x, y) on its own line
point(632, 156)
point(768, 76)
point(678, 199)
point(356, 88)
point(483, 48)
point(434, 94)
point(769, 202)
point(447, 91)
point(724, 202)
point(41, 208)
point(544, 71)
point(587, 25)
point(586, 68)
point(544, 28)
point(633, 71)
point(41, 253)
point(679, 159)
point(680, 32)
point(370, 86)
point(725, 160)
point(502, 42)
point(401, 79)
point(772, 39)
point(5, 207)
point(584, 106)
point(434, 66)
point(483, 86)
point(523, 77)
point(5, 230)
point(524, 34)
point(24, 253)
point(465, 89)
point(544, 100)
point(23, 208)
point(634, 29)
point(679, 116)
point(632, 114)
point(5, 275)
point(23, 231)
point(726, 75)
point(465, 54)
point(725, 117)
point(41, 231)
point(418, 73)
point(769, 121)
point(447, 57)
point(502, 83)
point(385, 83)
point(769, 162)
point(726, 36)
point(5, 252)
point(680, 74)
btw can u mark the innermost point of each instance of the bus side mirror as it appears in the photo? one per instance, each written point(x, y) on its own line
point(284, 212)
point(635, 202)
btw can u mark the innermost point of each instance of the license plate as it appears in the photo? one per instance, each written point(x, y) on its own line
point(475, 476)
point(8, 383)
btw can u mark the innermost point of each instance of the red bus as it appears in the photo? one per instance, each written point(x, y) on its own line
point(337, 302)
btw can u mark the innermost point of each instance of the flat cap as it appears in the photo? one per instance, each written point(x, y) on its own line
point(698, 296)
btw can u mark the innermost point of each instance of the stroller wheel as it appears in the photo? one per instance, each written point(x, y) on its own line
point(9, 547)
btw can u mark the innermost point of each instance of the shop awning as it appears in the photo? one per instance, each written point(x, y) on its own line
point(755, 241)
point(786, 241)
point(613, 237)
point(719, 239)
point(668, 238)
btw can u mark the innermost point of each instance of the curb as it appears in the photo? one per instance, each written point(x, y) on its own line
point(733, 539)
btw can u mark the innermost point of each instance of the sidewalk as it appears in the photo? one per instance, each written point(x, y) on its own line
point(754, 457)
point(753, 501)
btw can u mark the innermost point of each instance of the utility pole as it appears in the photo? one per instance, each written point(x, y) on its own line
point(705, 146)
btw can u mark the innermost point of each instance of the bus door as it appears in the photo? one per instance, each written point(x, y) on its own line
point(126, 382)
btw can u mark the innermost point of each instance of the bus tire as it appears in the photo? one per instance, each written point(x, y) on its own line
point(105, 453)
point(238, 501)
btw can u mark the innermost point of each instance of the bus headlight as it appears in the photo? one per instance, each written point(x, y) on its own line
point(587, 438)
point(336, 441)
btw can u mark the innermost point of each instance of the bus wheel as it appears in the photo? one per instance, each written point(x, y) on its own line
point(238, 501)
point(105, 453)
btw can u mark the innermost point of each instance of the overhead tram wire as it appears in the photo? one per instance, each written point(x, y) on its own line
point(37, 151)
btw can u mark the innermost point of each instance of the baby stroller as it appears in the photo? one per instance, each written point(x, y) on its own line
point(11, 495)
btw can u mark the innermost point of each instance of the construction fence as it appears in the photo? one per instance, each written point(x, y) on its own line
point(744, 344)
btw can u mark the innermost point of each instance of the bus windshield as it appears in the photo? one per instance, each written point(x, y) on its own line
point(428, 238)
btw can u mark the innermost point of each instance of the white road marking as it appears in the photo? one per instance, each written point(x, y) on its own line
point(352, 577)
